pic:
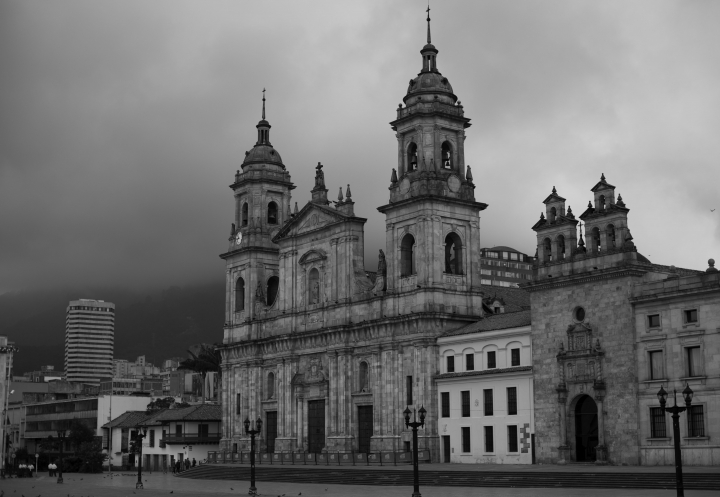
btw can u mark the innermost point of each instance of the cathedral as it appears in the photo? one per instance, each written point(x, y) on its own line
point(329, 355)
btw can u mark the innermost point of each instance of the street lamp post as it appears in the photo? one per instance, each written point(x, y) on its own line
point(415, 424)
point(252, 433)
point(61, 437)
point(138, 442)
point(675, 411)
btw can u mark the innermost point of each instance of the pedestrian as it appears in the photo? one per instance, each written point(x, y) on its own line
point(50, 469)
point(31, 467)
point(177, 466)
point(187, 464)
point(172, 464)
point(194, 462)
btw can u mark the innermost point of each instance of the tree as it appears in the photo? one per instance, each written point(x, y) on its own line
point(166, 403)
point(80, 433)
point(92, 456)
point(207, 360)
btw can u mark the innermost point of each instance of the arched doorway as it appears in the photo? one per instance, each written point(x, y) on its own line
point(586, 429)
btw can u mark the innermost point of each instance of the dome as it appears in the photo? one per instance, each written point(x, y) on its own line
point(263, 154)
point(430, 82)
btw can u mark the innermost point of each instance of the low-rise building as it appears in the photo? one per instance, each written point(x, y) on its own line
point(485, 386)
point(172, 435)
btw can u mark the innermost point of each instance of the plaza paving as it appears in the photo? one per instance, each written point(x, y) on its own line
point(157, 484)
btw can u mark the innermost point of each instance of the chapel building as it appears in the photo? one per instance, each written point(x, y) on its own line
point(327, 357)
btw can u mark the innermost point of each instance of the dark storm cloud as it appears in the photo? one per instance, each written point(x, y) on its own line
point(122, 123)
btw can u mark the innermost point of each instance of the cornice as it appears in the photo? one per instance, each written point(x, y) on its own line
point(231, 253)
point(674, 294)
point(587, 277)
point(387, 207)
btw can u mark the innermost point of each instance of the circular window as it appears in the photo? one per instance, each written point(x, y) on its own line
point(579, 314)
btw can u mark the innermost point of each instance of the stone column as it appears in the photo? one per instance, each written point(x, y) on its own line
point(564, 448)
point(601, 451)
point(333, 388)
point(392, 255)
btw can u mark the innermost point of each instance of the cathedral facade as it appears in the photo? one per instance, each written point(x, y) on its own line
point(328, 357)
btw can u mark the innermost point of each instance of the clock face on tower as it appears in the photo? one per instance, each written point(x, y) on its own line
point(238, 238)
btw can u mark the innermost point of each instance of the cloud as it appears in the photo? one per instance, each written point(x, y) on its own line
point(122, 123)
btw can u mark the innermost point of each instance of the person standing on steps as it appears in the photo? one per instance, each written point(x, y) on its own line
point(194, 462)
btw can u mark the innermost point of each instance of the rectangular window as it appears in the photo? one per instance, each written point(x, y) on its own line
point(178, 429)
point(691, 316)
point(445, 401)
point(657, 423)
point(491, 360)
point(654, 321)
point(513, 257)
point(408, 390)
point(488, 401)
point(465, 430)
point(656, 364)
point(152, 438)
point(692, 355)
point(512, 438)
point(512, 400)
point(696, 422)
point(514, 357)
point(238, 397)
point(451, 364)
point(469, 362)
point(489, 445)
point(465, 400)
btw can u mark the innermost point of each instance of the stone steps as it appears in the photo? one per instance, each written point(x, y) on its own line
point(390, 477)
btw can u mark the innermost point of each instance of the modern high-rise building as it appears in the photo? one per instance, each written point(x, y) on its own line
point(89, 340)
point(505, 266)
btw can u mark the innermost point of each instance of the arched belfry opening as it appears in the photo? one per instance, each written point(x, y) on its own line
point(272, 213)
point(552, 215)
point(244, 220)
point(596, 242)
point(272, 289)
point(412, 157)
point(407, 255)
point(453, 254)
point(586, 429)
point(561, 247)
point(547, 250)
point(447, 159)
point(610, 231)
point(239, 295)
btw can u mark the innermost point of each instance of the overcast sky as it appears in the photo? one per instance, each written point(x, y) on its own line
point(122, 123)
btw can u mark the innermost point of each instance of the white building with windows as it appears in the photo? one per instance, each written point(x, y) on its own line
point(485, 387)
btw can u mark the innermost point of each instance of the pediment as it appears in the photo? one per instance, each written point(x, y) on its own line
point(310, 218)
point(313, 255)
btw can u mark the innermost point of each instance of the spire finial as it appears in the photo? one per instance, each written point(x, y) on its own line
point(348, 194)
point(554, 190)
point(263, 114)
point(428, 21)
point(602, 176)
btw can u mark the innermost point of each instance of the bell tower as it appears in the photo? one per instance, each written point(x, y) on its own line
point(432, 219)
point(262, 205)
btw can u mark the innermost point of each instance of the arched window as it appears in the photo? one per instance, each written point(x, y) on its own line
point(552, 215)
point(272, 289)
point(270, 385)
point(611, 236)
point(602, 202)
point(272, 213)
point(245, 214)
point(314, 286)
point(239, 295)
point(547, 249)
point(363, 379)
point(447, 162)
point(561, 247)
point(596, 239)
point(407, 256)
point(412, 157)
point(453, 254)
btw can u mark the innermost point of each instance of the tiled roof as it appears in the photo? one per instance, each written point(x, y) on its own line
point(484, 372)
point(494, 322)
point(204, 412)
point(128, 419)
point(516, 299)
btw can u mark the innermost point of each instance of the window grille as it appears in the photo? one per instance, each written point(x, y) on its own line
point(696, 425)
point(491, 360)
point(512, 438)
point(445, 401)
point(469, 362)
point(657, 423)
point(514, 357)
point(465, 439)
point(488, 398)
point(489, 446)
point(512, 400)
point(451, 364)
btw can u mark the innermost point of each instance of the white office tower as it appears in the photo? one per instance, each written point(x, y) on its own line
point(89, 340)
